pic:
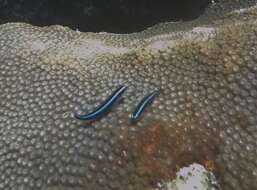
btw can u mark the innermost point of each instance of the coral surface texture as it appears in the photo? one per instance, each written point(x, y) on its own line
point(205, 113)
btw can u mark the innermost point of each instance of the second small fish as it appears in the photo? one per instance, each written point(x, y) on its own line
point(146, 101)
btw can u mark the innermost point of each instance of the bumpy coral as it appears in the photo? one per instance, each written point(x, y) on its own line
point(206, 72)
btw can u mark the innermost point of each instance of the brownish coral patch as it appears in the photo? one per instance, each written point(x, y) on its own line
point(160, 150)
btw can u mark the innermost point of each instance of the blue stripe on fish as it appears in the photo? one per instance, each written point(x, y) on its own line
point(146, 101)
point(103, 108)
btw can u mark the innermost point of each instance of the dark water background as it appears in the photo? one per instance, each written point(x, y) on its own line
point(118, 16)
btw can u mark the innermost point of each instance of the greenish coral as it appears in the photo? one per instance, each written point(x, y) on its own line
point(206, 71)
